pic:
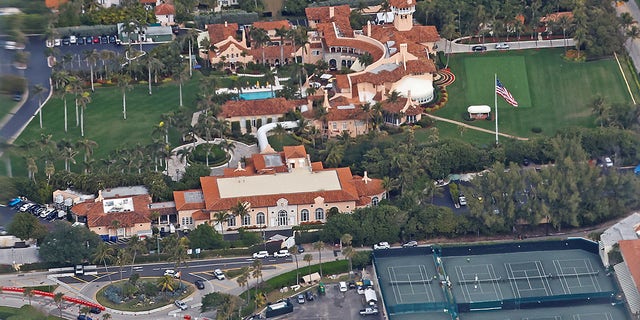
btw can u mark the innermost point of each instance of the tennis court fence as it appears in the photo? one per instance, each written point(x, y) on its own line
point(540, 302)
point(417, 307)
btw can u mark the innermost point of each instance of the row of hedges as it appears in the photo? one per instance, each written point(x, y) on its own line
point(289, 278)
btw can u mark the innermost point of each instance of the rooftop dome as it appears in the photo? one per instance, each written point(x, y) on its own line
point(421, 89)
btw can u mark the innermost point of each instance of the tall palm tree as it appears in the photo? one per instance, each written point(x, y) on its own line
point(122, 256)
point(75, 87)
point(178, 253)
point(220, 217)
point(92, 57)
point(240, 209)
point(294, 251)
point(319, 245)
point(28, 292)
point(60, 81)
point(166, 283)
point(104, 253)
point(88, 146)
point(124, 83)
point(39, 90)
point(135, 245)
point(282, 32)
point(308, 258)
point(257, 270)
point(243, 281)
point(83, 99)
point(153, 66)
point(67, 152)
point(349, 252)
point(107, 56)
point(260, 38)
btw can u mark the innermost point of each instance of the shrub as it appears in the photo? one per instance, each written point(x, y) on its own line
point(536, 129)
point(216, 154)
point(235, 127)
point(307, 237)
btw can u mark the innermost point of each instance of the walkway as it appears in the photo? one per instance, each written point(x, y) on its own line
point(177, 167)
point(458, 123)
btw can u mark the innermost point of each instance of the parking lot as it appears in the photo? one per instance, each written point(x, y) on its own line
point(333, 305)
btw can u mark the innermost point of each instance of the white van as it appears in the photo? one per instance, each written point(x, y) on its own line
point(73, 40)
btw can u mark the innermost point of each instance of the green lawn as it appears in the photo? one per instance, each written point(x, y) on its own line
point(27, 312)
point(6, 104)
point(104, 123)
point(552, 92)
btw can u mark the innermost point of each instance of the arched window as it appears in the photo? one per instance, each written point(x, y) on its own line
point(231, 221)
point(246, 220)
point(304, 215)
point(283, 218)
point(374, 201)
point(260, 218)
point(319, 214)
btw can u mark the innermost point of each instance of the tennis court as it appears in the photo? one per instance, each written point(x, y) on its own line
point(506, 281)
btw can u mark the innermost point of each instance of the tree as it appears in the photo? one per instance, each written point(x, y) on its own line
point(349, 252)
point(68, 244)
point(104, 253)
point(166, 283)
point(308, 258)
point(83, 99)
point(124, 83)
point(243, 280)
point(58, 298)
point(26, 226)
point(92, 57)
point(106, 316)
point(220, 217)
point(153, 66)
point(134, 246)
point(240, 209)
point(28, 292)
point(39, 90)
point(122, 256)
point(365, 59)
point(88, 146)
point(319, 245)
point(205, 237)
point(257, 271)
point(294, 251)
point(260, 38)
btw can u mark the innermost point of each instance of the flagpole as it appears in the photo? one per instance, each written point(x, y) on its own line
point(495, 102)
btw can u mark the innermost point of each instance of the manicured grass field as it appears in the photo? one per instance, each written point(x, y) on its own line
point(25, 313)
point(103, 120)
point(552, 93)
point(6, 104)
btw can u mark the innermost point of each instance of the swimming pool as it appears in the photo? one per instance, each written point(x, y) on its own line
point(256, 95)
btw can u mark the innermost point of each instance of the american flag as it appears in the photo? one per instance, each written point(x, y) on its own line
point(503, 92)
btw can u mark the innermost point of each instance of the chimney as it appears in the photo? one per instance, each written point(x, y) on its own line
point(403, 54)
point(244, 37)
point(332, 11)
point(225, 24)
point(366, 178)
point(369, 28)
point(325, 103)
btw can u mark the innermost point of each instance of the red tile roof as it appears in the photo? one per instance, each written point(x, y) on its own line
point(274, 106)
point(201, 215)
point(398, 105)
point(272, 52)
point(218, 32)
point(331, 40)
point(323, 13)
point(272, 25)
point(165, 9)
point(291, 152)
point(630, 250)
point(182, 204)
point(413, 67)
point(96, 217)
point(54, 4)
point(417, 34)
point(402, 3)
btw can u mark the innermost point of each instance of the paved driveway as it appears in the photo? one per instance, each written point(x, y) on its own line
point(333, 305)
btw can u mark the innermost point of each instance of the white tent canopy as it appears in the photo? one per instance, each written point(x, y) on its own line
point(479, 109)
point(311, 277)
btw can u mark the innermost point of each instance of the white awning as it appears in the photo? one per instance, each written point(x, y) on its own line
point(479, 109)
point(311, 277)
point(326, 76)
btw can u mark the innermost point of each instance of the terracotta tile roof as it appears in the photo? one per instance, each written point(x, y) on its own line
point(272, 25)
point(165, 9)
point(257, 161)
point(54, 4)
point(417, 34)
point(371, 188)
point(274, 106)
point(317, 166)
point(218, 32)
point(201, 215)
point(402, 3)
point(630, 250)
point(413, 67)
point(331, 40)
point(398, 105)
point(234, 172)
point(96, 217)
point(148, 1)
point(291, 152)
point(272, 52)
point(183, 204)
point(315, 45)
point(342, 81)
point(323, 13)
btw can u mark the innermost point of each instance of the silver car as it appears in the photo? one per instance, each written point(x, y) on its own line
point(181, 305)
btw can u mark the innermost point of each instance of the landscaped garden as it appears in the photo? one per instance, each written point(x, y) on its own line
point(26, 312)
point(142, 294)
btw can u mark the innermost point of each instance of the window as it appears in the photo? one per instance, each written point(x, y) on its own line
point(231, 221)
point(304, 215)
point(246, 220)
point(315, 52)
point(335, 126)
point(187, 220)
point(283, 218)
point(260, 218)
point(344, 125)
point(319, 214)
point(374, 201)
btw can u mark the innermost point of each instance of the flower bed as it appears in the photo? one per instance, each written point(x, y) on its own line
point(141, 295)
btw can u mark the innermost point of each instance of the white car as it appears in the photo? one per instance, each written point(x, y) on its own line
point(181, 305)
point(281, 254)
point(172, 273)
point(381, 245)
point(57, 42)
point(368, 311)
point(462, 200)
point(608, 162)
point(343, 286)
point(261, 254)
point(502, 46)
point(26, 207)
point(218, 274)
point(73, 39)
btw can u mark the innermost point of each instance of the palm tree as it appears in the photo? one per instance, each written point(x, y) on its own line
point(60, 80)
point(319, 245)
point(260, 38)
point(122, 257)
point(294, 251)
point(240, 209)
point(106, 316)
point(179, 73)
point(308, 258)
point(365, 59)
point(135, 245)
point(85, 310)
point(257, 270)
point(220, 217)
point(104, 253)
point(281, 32)
point(92, 57)
point(75, 87)
point(88, 146)
point(124, 83)
point(106, 55)
point(38, 90)
point(178, 253)
point(243, 281)
point(28, 292)
point(153, 65)
point(83, 99)
point(246, 273)
point(58, 298)
point(166, 283)
point(349, 252)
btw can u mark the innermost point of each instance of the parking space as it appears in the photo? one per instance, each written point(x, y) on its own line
point(333, 305)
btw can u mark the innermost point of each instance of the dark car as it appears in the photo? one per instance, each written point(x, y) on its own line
point(112, 39)
point(95, 310)
point(479, 48)
point(525, 162)
point(80, 40)
point(88, 39)
point(300, 248)
point(66, 41)
point(96, 39)
point(199, 284)
point(17, 96)
point(309, 295)
point(104, 39)
point(83, 317)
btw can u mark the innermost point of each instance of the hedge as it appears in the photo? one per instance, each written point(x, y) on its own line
point(289, 278)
